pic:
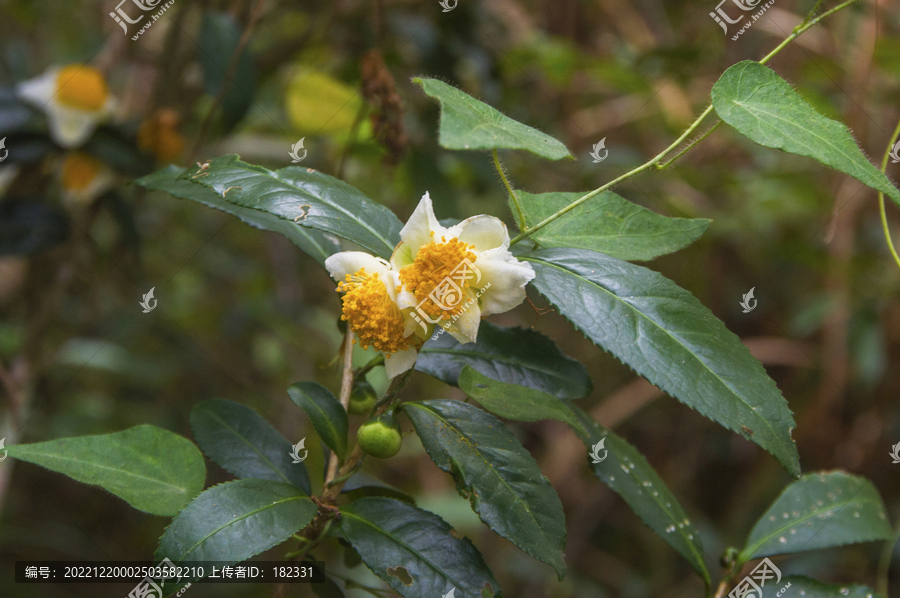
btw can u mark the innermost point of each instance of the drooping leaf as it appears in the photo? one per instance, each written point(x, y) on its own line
point(810, 588)
point(303, 196)
point(608, 224)
point(512, 401)
point(667, 336)
point(153, 470)
point(243, 443)
point(317, 244)
point(391, 535)
point(820, 510)
point(625, 470)
point(218, 41)
point(325, 412)
point(236, 520)
point(753, 99)
point(467, 123)
point(499, 477)
point(514, 355)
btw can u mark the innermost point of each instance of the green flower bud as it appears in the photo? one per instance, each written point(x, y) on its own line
point(362, 398)
point(380, 436)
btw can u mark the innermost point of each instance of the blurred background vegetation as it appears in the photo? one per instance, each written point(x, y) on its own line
point(242, 313)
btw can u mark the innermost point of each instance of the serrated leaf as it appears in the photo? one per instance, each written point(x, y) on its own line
point(810, 588)
point(303, 196)
point(753, 99)
point(325, 412)
point(819, 510)
point(512, 401)
point(608, 224)
point(627, 473)
point(662, 332)
point(317, 244)
point(513, 355)
point(499, 477)
point(244, 444)
point(153, 470)
point(236, 520)
point(390, 534)
point(469, 124)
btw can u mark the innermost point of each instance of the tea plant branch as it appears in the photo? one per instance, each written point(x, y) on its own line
point(512, 194)
point(884, 222)
point(654, 162)
point(688, 147)
point(346, 387)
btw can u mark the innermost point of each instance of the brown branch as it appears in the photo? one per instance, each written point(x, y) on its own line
point(346, 387)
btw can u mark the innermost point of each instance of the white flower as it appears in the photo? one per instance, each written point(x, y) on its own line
point(75, 98)
point(434, 261)
point(84, 178)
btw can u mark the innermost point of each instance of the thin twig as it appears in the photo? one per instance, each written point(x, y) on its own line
point(346, 387)
point(881, 209)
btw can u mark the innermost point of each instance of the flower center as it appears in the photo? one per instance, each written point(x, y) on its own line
point(371, 313)
point(81, 86)
point(438, 276)
point(79, 170)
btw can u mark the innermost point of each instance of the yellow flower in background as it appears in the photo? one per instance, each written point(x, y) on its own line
point(84, 178)
point(75, 99)
point(160, 136)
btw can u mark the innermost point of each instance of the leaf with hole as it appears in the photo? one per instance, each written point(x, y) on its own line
point(153, 470)
point(325, 412)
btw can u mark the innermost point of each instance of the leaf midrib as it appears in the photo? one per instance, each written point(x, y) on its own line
point(264, 457)
point(336, 437)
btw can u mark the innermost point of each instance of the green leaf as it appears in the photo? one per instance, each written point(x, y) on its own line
point(512, 401)
point(218, 40)
point(467, 124)
point(607, 223)
point(303, 196)
point(498, 476)
point(753, 99)
point(317, 244)
point(153, 470)
point(236, 520)
point(391, 535)
point(625, 470)
point(514, 355)
point(810, 588)
point(669, 338)
point(819, 510)
point(245, 444)
point(325, 412)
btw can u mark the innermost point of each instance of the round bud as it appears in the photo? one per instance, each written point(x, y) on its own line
point(380, 436)
point(362, 398)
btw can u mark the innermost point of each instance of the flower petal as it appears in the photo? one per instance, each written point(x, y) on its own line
point(507, 277)
point(417, 232)
point(483, 231)
point(397, 363)
point(343, 263)
point(40, 90)
point(70, 127)
point(465, 327)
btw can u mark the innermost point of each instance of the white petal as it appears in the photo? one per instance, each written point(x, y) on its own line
point(465, 328)
point(40, 90)
point(483, 231)
point(70, 127)
point(507, 277)
point(417, 232)
point(341, 264)
point(397, 363)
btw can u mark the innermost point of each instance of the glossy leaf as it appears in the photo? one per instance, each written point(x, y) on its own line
point(467, 123)
point(153, 470)
point(671, 339)
point(607, 223)
point(303, 196)
point(819, 510)
point(325, 412)
point(625, 470)
point(317, 244)
point(753, 99)
point(810, 588)
point(236, 520)
point(245, 444)
point(390, 534)
point(512, 401)
point(499, 477)
point(513, 355)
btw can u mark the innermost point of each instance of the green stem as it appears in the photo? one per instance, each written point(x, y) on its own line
point(689, 146)
point(656, 160)
point(884, 563)
point(884, 222)
point(810, 14)
point(310, 544)
point(512, 195)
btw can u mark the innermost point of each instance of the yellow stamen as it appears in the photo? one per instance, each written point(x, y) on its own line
point(372, 314)
point(79, 171)
point(81, 86)
point(433, 263)
point(160, 135)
